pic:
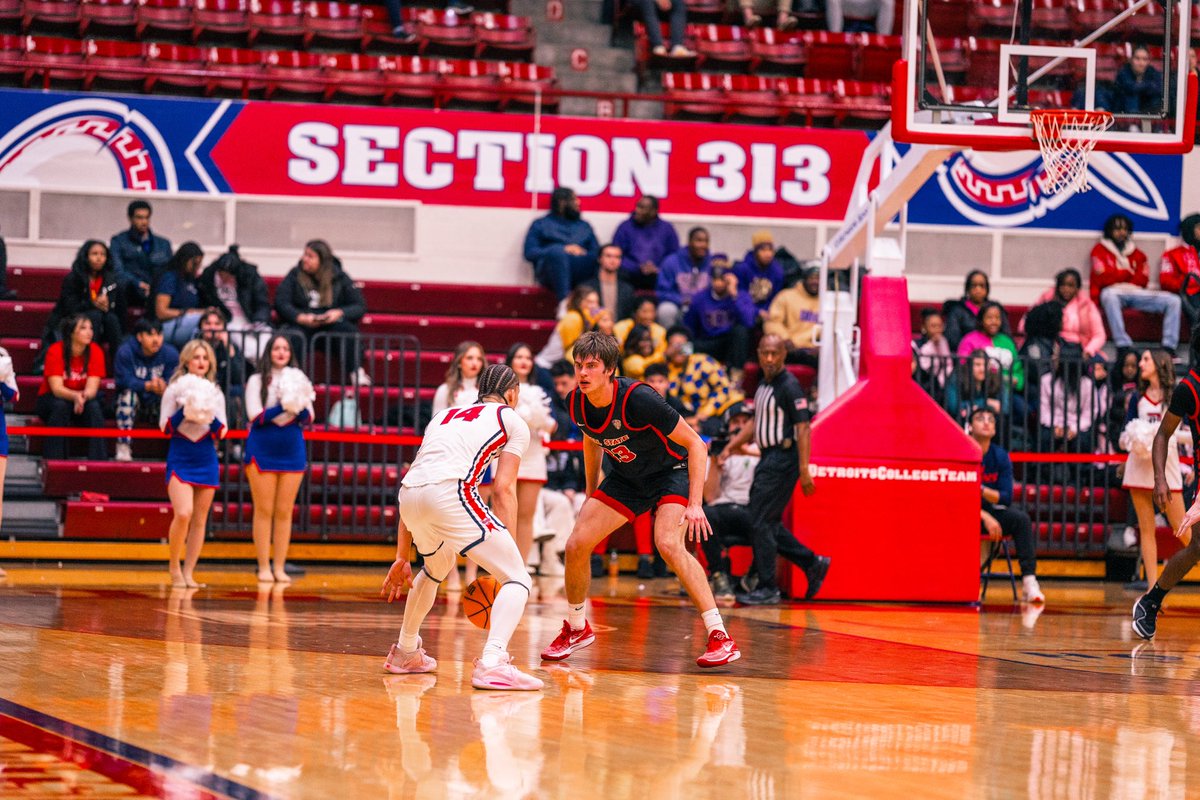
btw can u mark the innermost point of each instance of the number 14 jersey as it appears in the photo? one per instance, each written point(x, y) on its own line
point(633, 430)
point(460, 442)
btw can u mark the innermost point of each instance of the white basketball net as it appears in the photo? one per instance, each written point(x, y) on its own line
point(1066, 138)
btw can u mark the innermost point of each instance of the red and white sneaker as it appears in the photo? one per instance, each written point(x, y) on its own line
point(504, 676)
point(721, 650)
point(401, 663)
point(568, 641)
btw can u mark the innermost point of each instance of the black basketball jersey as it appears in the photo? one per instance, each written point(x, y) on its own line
point(633, 430)
point(1185, 404)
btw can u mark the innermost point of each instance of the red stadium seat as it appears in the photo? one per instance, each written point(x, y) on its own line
point(777, 51)
point(984, 58)
point(12, 49)
point(221, 20)
point(168, 64)
point(411, 78)
point(722, 47)
point(354, 76)
point(108, 16)
point(991, 17)
point(446, 33)
point(953, 56)
point(280, 21)
point(338, 24)
point(809, 100)
point(56, 16)
point(109, 64)
point(877, 54)
point(294, 73)
point(1147, 24)
point(505, 36)
point(706, 10)
point(524, 82)
point(863, 102)
point(377, 33)
point(164, 19)
point(693, 95)
point(830, 55)
point(43, 53)
point(247, 65)
point(11, 14)
point(1088, 15)
point(753, 97)
point(468, 81)
point(1051, 19)
point(949, 18)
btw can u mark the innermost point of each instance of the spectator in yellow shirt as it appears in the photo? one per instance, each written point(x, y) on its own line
point(795, 317)
point(637, 359)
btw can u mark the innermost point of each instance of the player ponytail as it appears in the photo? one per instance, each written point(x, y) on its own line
point(495, 380)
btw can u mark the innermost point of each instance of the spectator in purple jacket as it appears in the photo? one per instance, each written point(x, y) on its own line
point(721, 318)
point(680, 276)
point(759, 274)
point(645, 240)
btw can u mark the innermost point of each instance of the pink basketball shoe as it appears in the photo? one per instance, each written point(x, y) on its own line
point(503, 676)
point(401, 663)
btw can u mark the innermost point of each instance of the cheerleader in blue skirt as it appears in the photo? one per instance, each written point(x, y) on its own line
point(8, 392)
point(193, 413)
point(279, 400)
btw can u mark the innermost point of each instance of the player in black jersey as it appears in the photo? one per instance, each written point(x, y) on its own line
point(656, 461)
point(1185, 406)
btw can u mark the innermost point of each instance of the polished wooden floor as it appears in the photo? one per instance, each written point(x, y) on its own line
point(114, 685)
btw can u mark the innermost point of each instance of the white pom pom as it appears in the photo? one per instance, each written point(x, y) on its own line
point(295, 390)
point(200, 398)
point(6, 366)
point(1138, 437)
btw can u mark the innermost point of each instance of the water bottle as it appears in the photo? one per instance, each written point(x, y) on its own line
point(614, 566)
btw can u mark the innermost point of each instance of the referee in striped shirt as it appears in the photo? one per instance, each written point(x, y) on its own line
point(781, 430)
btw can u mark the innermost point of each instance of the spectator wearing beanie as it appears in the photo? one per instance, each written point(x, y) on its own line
point(759, 274)
point(721, 318)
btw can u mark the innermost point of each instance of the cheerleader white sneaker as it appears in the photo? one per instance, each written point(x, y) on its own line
point(1033, 592)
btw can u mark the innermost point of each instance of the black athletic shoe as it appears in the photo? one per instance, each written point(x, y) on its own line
point(597, 565)
point(762, 596)
point(645, 569)
point(816, 576)
point(1145, 617)
point(748, 582)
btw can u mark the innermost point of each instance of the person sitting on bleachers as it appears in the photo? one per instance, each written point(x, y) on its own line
point(676, 11)
point(1120, 275)
point(1068, 400)
point(645, 239)
point(70, 390)
point(639, 352)
point(759, 273)
point(234, 287)
point(935, 362)
point(177, 295)
point(998, 345)
point(142, 367)
point(960, 314)
point(658, 375)
point(754, 10)
point(615, 292)
point(795, 317)
point(562, 246)
point(681, 275)
point(232, 368)
point(583, 306)
point(91, 289)
point(1081, 320)
point(643, 315)
point(1179, 271)
point(139, 255)
point(317, 296)
point(698, 382)
point(1139, 88)
point(976, 383)
point(721, 318)
point(860, 16)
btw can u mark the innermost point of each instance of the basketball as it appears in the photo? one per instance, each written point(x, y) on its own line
point(477, 600)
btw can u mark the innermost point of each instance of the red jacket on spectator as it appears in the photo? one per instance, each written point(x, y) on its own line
point(1176, 264)
point(1110, 267)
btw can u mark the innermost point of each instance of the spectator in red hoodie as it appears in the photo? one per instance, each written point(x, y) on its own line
point(1120, 274)
point(1081, 321)
point(1180, 269)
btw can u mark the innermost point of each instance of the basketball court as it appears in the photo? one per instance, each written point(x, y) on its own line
point(115, 686)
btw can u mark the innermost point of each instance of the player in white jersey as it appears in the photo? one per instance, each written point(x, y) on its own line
point(442, 514)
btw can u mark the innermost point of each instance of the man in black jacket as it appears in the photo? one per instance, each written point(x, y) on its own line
point(234, 287)
point(318, 297)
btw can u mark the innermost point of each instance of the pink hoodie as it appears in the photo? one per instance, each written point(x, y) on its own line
point(1082, 323)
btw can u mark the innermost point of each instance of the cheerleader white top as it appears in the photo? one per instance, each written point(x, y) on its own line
point(1139, 469)
point(276, 439)
point(533, 406)
point(192, 452)
point(466, 395)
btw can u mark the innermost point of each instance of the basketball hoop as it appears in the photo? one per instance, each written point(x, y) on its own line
point(1066, 137)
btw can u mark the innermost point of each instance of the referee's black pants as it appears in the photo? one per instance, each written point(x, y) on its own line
point(731, 526)
point(774, 481)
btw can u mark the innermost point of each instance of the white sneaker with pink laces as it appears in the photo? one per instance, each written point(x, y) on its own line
point(503, 676)
point(400, 663)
